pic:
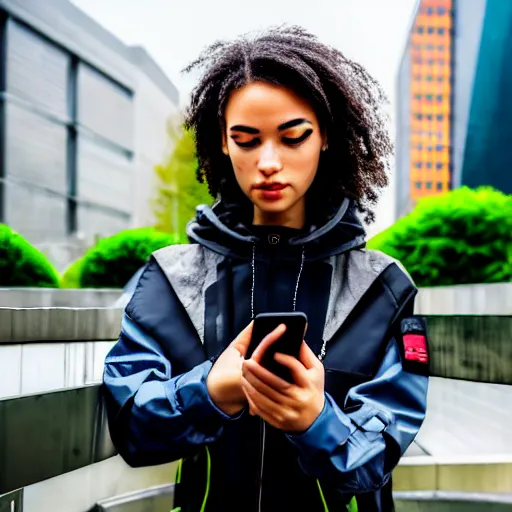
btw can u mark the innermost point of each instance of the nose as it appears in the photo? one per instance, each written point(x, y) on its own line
point(269, 162)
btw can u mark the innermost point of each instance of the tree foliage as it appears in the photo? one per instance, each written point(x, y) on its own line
point(178, 192)
point(464, 236)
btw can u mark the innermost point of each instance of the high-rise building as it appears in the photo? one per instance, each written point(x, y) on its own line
point(454, 105)
point(83, 121)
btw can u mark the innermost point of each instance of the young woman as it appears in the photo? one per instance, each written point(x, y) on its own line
point(291, 142)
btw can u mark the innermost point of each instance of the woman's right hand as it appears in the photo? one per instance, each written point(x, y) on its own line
point(224, 380)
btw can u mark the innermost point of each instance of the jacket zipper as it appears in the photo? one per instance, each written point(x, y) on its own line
point(263, 435)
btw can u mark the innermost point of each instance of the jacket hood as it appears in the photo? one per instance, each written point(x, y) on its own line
point(221, 229)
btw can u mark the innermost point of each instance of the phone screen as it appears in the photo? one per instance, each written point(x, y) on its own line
point(289, 343)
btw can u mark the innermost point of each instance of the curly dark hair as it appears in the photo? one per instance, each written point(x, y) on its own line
point(346, 99)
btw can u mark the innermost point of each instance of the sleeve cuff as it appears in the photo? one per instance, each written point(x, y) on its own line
point(332, 428)
point(193, 397)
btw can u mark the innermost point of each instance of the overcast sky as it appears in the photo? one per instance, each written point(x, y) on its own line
point(372, 32)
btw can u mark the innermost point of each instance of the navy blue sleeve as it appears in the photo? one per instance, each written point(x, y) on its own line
point(356, 451)
point(155, 416)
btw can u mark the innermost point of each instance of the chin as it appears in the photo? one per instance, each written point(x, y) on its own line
point(273, 207)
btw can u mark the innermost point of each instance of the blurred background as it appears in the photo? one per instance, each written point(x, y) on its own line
point(96, 173)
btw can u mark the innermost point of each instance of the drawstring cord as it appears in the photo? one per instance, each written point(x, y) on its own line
point(302, 259)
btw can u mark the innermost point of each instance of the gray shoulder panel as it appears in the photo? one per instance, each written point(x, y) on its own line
point(190, 269)
point(353, 274)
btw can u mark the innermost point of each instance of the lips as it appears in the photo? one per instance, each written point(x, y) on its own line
point(271, 187)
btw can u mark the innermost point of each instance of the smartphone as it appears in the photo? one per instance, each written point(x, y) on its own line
point(289, 343)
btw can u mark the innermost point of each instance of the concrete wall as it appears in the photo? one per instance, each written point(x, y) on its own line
point(58, 298)
point(36, 368)
point(82, 488)
point(463, 474)
point(473, 299)
point(153, 110)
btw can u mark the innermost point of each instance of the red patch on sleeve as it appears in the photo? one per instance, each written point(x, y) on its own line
point(415, 346)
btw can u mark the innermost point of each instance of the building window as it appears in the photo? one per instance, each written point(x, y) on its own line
point(441, 62)
point(440, 117)
point(439, 147)
point(429, 165)
point(440, 48)
point(429, 10)
point(417, 96)
point(429, 97)
point(440, 78)
point(37, 71)
point(430, 30)
point(419, 117)
point(105, 107)
point(439, 186)
point(418, 165)
point(429, 78)
point(420, 29)
point(417, 78)
point(439, 166)
point(440, 31)
point(439, 97)
point(429, 117)
point(441, 10)
point(429, 148)
point(418, 185)
point(429, 185)
point(430, 62)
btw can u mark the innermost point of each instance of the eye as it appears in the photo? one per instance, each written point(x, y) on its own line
point(249, 144)
point(295, 141)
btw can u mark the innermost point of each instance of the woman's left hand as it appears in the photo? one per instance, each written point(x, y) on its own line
point(292, 407)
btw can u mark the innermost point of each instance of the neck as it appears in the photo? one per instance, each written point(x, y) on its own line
point(294, 217)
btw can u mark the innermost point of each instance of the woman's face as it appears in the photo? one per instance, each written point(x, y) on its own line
point(274, 140)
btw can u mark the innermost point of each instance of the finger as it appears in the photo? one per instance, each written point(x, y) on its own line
point(297, 369)
point(262, 403)
point(307, 357)
point(265, 389)
point(266, 376)
point(267, 341)
point(243, 340)
point(253, 410)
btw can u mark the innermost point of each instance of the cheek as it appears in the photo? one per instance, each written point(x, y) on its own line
point(306, 164)
point(242, 165)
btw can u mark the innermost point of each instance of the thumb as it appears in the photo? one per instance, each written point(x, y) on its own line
point(243, 340)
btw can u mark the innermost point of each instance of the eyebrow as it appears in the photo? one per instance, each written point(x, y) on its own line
point(281, 127)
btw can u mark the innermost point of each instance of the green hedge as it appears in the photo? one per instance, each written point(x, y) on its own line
point(21, 264)
point(464, 236)
point(71, 276)
point(114, 260)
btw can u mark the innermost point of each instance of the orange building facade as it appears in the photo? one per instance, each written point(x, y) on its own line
point(430, 49)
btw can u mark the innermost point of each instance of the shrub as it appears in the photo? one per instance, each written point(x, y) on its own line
point(464, 236)
point(71, 276)
point(21, 264)
point(112, 262)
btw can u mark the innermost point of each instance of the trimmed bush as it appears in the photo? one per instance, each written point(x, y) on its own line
point(464, 236)
point(71, 276)
point(112, 262)
point(21, 264)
